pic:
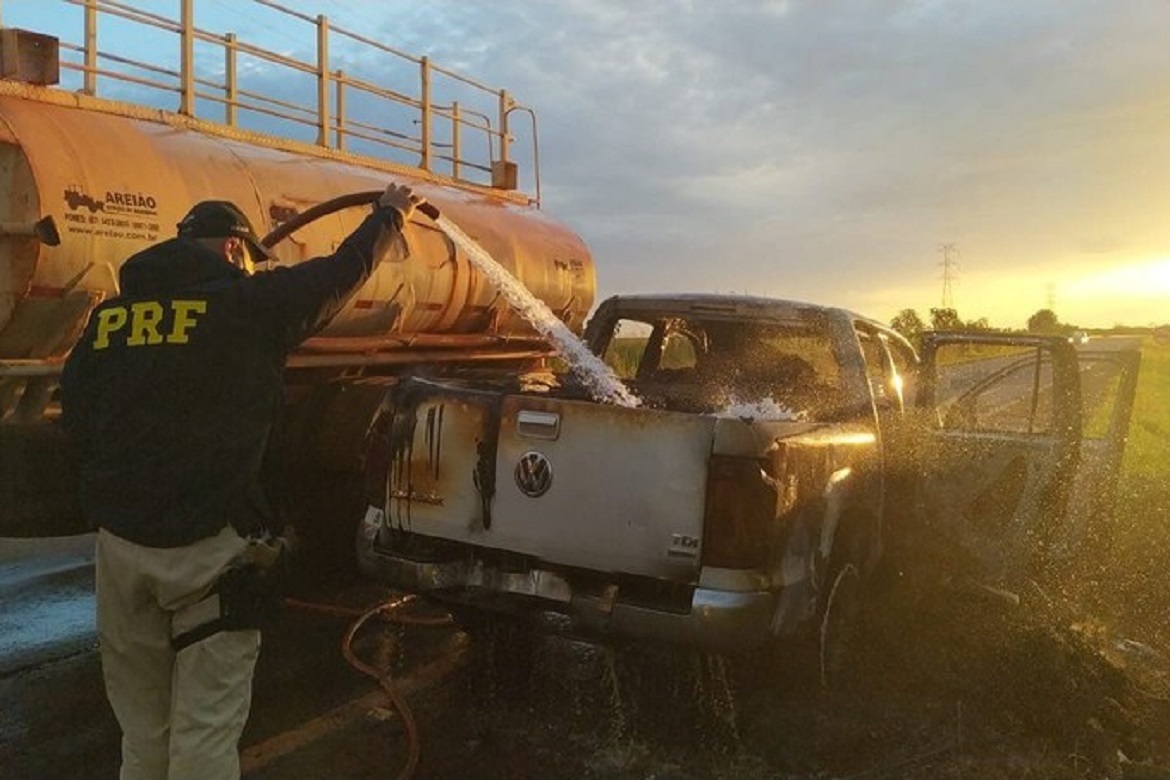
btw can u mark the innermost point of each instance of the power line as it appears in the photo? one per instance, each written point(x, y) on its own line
point(950, 266)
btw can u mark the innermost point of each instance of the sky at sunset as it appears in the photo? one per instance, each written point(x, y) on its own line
point(822, 151)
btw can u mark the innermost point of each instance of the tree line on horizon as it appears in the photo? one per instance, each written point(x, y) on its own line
point(1045, 322)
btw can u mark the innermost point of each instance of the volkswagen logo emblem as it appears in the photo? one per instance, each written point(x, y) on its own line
point(533, 474)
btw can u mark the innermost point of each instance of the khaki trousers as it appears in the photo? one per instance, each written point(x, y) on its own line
point(181, 713)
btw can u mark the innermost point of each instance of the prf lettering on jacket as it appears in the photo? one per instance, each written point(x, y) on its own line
point(143, 323)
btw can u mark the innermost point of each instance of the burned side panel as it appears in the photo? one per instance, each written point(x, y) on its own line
point(828, 505)
point(433, 482)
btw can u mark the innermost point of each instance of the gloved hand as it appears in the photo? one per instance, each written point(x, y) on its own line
point(252, 590)
point(269, 552)
point(401, 198)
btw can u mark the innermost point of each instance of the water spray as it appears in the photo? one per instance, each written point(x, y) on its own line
point(599, 380)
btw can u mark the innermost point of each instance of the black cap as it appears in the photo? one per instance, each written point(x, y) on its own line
point(221, 219)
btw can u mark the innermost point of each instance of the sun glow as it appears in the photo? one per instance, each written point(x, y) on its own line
point(1140, 280)
point(1134, 294)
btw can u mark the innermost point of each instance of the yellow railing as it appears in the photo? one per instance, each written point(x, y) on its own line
point(443, 134)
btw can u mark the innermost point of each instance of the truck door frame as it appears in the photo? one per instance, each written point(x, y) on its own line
point(1001, 494)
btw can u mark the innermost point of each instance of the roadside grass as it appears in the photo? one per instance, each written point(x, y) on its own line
point(953, 354)
point(1147, 451)
point(1136, 575)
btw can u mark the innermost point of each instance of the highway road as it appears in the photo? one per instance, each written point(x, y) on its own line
point(501, 706)
point(55, 722)
point(956, 378)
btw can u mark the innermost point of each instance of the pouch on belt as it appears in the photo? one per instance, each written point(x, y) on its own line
point(247, 595)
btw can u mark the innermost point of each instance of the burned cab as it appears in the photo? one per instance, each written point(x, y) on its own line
point(712, 360)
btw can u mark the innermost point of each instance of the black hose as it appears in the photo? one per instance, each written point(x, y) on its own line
point(328, 207)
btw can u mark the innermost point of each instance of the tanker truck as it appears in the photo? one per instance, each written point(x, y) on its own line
point(88, 181)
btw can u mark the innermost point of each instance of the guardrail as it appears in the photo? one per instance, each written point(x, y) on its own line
point(444, 129)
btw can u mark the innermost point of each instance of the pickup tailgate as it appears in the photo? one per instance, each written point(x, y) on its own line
point(570, 482)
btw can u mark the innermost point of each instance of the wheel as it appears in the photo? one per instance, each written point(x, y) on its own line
point(839, 628)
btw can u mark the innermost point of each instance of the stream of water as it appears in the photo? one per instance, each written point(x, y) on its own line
point(599, 380)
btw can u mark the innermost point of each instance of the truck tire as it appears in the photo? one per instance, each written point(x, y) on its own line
point(839, 627)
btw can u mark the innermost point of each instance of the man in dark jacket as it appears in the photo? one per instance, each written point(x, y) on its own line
point(168, 399)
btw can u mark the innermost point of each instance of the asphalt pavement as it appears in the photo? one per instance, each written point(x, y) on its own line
point(46, 588)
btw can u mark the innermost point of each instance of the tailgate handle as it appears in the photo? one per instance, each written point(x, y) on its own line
point(538, 425)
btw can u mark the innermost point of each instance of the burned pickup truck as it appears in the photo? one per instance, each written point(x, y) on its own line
point(777, 450)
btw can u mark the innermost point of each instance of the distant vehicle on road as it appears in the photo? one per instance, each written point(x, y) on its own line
point(1079, 337)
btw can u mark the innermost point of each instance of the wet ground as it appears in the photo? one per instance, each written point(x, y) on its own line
point(46, 588)
point(987, 695)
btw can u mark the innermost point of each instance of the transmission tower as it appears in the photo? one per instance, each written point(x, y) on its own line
point(950, 266)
